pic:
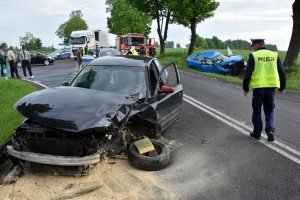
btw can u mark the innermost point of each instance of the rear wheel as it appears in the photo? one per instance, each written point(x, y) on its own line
point(46, 62)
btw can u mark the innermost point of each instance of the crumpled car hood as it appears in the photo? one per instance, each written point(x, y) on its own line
point(74, 109)
point(232, 60)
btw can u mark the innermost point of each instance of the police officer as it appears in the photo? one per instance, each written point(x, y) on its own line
point(132, 51)
point(143, 50)
point(26, 62)
point(12, 62)
point(264, 73)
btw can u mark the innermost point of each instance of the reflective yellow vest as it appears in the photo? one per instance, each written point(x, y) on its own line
point(265, 72)
point(134, 52)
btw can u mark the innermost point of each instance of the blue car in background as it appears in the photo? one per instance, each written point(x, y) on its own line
point(216, 62)
point(61, 54)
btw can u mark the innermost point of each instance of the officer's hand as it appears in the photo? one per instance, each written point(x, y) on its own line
point(245, 93)
point(281, 91)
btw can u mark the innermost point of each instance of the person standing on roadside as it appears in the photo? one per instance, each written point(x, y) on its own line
point(2, 59)
point(79, 58)
point(25, 59)
point(97, 51)
point(132, 51)
point(86, 48)
point(12, 62)
point(264, 73)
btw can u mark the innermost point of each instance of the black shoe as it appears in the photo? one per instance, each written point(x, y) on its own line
point(257, 137)
point(270, 136)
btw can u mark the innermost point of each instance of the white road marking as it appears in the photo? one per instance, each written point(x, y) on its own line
point(241, 128)
point(36, 82)
point(242, 124)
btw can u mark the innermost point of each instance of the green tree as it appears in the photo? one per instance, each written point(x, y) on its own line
point(201, 43)
point(31, 42)
point(178, 45)
point(210, 43)
point(170, 44)
point(238, 44)
point(127, 19)
point(191, 12)
point(159, 11)
point(3, 44)
point(74, 23)
point(219, 44)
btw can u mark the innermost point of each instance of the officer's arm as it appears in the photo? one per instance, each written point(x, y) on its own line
point(282, 76)
point(248, 73)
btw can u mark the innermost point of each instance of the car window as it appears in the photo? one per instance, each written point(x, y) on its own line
point(116, 79)
point(172, 77)
point(34, 55)
point(207, 61)
point(164, 75)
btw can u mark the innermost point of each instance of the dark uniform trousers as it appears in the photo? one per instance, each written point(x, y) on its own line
point(13, 69)
point(26, 64)
point(265, 97)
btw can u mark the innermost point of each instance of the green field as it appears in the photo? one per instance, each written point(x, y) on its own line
point(179, 55)
point(11, 90)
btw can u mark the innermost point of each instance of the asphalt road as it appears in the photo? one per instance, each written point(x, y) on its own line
point(213, 156)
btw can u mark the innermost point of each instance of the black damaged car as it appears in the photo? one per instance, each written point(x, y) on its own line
point(110, 103)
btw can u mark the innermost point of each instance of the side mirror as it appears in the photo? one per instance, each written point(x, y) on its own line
point(66, 83)
point(166, 89)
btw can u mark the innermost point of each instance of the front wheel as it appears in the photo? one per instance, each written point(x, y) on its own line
point(150, 163)
point(46, 62)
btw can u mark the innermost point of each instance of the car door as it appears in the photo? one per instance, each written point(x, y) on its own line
point(168, 104)
point(40, 58)
point(34, 58)
point(64, 54)
point(208, 65)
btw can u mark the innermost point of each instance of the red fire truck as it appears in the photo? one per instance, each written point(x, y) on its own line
point(125, 42)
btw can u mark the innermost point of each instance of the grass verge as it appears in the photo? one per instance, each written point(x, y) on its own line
point(179, 56)
point(11, 90)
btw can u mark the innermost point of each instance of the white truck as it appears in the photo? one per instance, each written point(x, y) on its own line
point(91, 38)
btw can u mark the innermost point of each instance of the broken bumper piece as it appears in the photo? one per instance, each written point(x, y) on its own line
point(53, 159)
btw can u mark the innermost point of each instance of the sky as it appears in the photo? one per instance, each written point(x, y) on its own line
point(234, 19)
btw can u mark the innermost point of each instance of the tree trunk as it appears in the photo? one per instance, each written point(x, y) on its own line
point(162, 38)
point(294, 46)
point(193, 35)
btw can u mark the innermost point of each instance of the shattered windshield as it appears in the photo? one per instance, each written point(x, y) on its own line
point(219, 58)
point(135, 41)
point(116, 79)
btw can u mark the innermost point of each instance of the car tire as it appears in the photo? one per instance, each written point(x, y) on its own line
point(58, 58)
point(148, 163)
point(46, 62)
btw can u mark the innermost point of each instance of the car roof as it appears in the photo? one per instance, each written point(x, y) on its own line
point(208, 54)
point(136, 61)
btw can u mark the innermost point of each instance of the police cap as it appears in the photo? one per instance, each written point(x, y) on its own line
point(257, 41)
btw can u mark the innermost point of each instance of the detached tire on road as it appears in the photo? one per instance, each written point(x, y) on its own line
point(147, 162)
